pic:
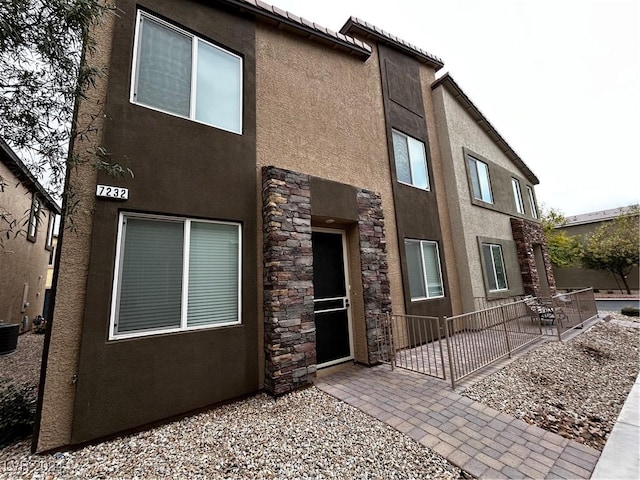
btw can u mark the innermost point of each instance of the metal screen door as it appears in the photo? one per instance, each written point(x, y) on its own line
point(331, 299)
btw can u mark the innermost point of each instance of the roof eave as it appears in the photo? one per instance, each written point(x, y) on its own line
point(450, 84)
point(20, 170)
point(355, 26)
point(288, 21)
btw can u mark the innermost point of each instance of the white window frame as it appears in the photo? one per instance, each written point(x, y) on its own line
point(491, 269)
point(476, 171)
point(424, 270)
point(194, 71)
point(115, 302)
point(50, 227)
point(517, 195)
point(532, 202)
point(34, 219)
point(409, 138)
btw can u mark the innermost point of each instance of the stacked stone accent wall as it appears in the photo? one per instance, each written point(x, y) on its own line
point(373, 261)
point(289, 328)
point(527, 234)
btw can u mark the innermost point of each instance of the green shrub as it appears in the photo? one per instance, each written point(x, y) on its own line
point(17, 411)
point(630, 311)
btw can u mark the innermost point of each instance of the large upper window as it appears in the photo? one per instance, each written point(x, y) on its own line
point(425, 273)
point(480, 182)
point(179, 73)
point(532, 202)
point(411, 160)
point(494, 267)
point(517, 195)
point(175, 274)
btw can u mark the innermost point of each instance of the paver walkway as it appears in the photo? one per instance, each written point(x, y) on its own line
point(483, 441)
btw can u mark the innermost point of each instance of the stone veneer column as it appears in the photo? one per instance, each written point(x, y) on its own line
point(527, 234)
point(373, 261)
point(289, 328)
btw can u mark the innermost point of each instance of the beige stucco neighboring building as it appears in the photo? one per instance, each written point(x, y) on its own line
point(488, 184)
point(28, 216)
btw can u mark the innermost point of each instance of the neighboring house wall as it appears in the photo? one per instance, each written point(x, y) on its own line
point(476, 222)
point(575, 277)
point(23, 256)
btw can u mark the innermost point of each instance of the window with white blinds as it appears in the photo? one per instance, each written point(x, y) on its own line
point(178, 73)
point(175, 274)
point(424, 269)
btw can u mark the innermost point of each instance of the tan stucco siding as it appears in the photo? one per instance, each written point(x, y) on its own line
point(62, 365)
point(23, 264)
point(427, 77)
point(467, 219)
point(320, 112)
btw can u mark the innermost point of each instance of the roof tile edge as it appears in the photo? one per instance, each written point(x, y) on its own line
point(447, 81)
point(18, 168)
point(273, 13)
point(354, 23)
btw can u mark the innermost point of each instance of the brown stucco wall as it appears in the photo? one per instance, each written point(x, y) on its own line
point(22, 262)
point(122, 384)
point(181, 168)
point(575, 277)
point(320, 112)
point(417, 213)
point(58, 397)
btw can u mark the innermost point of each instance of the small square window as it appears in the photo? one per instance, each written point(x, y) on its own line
point(411, 160)
point(480, 181)
point(178, 73)
point(517, 195)
point(425, 271)
point(494, 267)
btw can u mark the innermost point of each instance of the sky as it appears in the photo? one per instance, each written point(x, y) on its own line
point(559, 79)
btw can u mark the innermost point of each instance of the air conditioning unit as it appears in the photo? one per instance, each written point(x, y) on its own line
point(8, 337)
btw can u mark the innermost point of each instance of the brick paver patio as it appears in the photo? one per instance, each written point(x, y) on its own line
point(483, 441)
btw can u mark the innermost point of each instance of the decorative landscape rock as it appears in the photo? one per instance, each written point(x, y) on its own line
point(575, 389)
point(306, 434)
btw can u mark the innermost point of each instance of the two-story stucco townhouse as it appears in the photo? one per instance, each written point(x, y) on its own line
point(291, 183)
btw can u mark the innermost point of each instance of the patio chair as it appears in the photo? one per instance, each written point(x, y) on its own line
point(542, 310)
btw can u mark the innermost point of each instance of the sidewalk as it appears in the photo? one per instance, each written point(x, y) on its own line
point(620, 458)
point(485, 442)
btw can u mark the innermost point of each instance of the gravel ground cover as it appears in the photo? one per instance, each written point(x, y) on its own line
point(575, 389)
point(23, 365)
point(306, 434)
